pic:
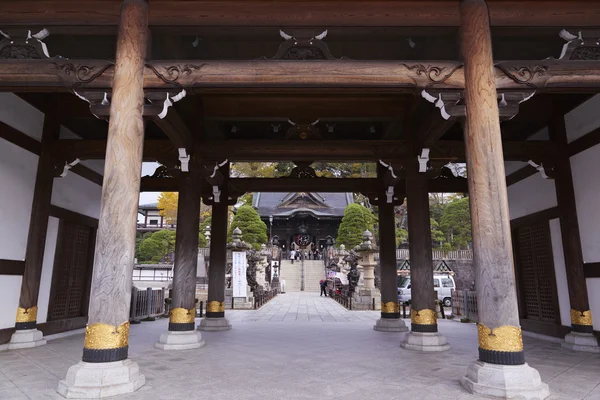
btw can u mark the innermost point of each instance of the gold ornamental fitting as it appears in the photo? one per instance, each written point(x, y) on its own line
point(423, 317)
point(215, 306)
point(182, 316)
point(581, 317)
point(104, 336)
point(27, 315)
point(391, 307)
point(503, 338)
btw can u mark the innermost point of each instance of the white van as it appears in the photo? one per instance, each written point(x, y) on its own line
point(443, 285)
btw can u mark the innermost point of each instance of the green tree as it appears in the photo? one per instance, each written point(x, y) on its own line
point(254, 231)
point(456, 223)
point(157, 246)
point(401, 236)
point(437, 236)
point(356, 220)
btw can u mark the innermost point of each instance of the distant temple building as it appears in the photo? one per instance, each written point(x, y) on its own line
point(152, 220)
point(301, 219)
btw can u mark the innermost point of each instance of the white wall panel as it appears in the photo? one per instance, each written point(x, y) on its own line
point(47, 267)
point(593, 287)
point(77, 194)
point(531, 195)
point(583, 119)
point(10, 289)
point(586, 183)
point(18, 169)
point(21, 115)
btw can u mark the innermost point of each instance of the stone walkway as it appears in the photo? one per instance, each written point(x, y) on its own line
point(299, 346)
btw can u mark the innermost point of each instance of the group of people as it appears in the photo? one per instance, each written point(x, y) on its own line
point(305, 255)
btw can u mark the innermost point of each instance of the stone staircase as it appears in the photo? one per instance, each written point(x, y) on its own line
point(292, 274)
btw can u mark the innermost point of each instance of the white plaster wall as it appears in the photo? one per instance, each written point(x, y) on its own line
point(17, 180)
point(10, 288)
point(531, 195)
point(21, 115)
point(77, 194)
point(560, 270)
point(593, 287)
point(47, 267)
point(586, 183)
point(512, 166)
point(583, 119)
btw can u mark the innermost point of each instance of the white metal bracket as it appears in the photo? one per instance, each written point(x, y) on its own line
point(423, 160)
point(184, 158)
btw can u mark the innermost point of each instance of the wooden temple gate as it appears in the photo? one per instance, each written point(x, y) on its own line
point(299, 103)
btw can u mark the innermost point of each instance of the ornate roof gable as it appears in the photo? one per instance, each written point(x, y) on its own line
point(303, 200)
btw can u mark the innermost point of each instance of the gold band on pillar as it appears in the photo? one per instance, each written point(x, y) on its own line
point(423, 317)
point(581, 317)
point(182, 316)
point(106, 337)
point(27, 315)
point(215, 306)
point(391, 307)
point(504, 338)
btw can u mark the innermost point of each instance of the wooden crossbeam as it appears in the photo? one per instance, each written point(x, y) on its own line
point(283, 185)
point(352, 75)
point(307, 150)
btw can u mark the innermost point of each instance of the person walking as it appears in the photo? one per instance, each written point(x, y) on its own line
point(292, 255)
point(323, 284)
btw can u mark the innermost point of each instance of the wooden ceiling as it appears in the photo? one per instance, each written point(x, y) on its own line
point(305, 13)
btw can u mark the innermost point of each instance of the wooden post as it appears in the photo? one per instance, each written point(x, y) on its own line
point(115, 251)
point(183, 311)
point(493, 256)
point(581, 316)
point(422, 315)
point(38, 227)
point(215, 307)
point(390, 311)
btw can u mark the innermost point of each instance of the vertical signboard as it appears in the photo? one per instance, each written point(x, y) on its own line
point(238, 272)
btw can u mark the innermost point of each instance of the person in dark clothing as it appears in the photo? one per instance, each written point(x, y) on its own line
point(323, 285)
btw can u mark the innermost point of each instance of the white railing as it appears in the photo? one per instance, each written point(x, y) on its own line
point(402, 254)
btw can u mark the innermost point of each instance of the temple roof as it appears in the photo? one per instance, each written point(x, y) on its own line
point(286, 205)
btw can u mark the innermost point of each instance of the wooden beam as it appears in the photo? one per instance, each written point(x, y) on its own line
point(94, 13)
point(433, 128)
point(520, 174)
point(306, 150)
point(583, 143)
point(349, 75)
point(12, 267)
point(175, 129)
point(330, 185)
point(19, 139)
point(88, 174)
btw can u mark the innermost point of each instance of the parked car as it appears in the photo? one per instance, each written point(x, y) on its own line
point(443, 285)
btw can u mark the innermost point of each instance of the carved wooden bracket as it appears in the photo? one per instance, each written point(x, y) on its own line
point(21, 49)
point(582, 47)
point(303, 45)
point(303, 170)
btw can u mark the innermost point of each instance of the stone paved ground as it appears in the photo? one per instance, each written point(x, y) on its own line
point(299, 346)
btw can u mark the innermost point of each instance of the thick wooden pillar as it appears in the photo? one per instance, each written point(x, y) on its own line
point(107, 333)
point(38, 227)
point(422, 315)
point(499, 332)
point(581, 316)
point(218, 252)
point(183, 309)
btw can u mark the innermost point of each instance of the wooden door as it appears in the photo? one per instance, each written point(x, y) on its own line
point(535, 269)
point(69, 294)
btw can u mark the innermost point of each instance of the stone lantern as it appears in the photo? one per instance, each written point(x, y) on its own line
point(367, 294)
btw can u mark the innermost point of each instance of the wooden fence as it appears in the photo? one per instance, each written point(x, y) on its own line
point(464, 304)
point(147, 303)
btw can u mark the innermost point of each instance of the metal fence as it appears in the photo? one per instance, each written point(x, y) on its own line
point(341, 298)
point(464, 304)
point(147, 303)
point(262, 298)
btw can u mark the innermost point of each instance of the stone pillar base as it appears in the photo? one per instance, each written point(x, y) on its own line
point(425, 342)
point(184, 340)
point(27, 338)
point(99, 380)
point(214, 324)
point(390, 325)
point(581, 342)
point(505, 381)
